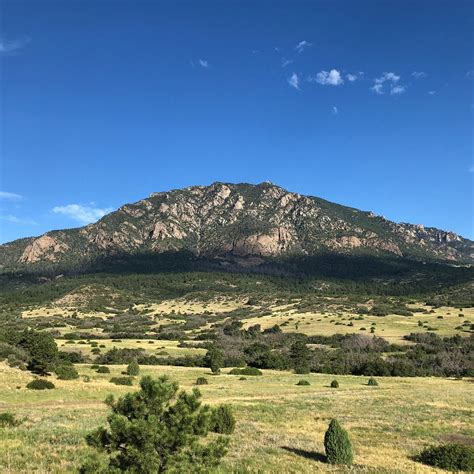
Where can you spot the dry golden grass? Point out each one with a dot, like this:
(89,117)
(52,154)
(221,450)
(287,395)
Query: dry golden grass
(280,425)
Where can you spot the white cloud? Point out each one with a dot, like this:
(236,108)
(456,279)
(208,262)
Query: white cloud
(9,47)
(389,79)
(378,88)
(431,92)
(302,45)
(331,78)
(353,77)
(5,196)
(203,63)
(335,110)
(285,62)
(470,74)
(17,220)
(294,81)
(82,214)
(418,75)
(395,90)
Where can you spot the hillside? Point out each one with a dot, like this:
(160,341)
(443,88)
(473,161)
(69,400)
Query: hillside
(242,223)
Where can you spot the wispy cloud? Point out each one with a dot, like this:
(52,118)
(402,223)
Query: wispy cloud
(82,214)
(388,81)
(18,220)
(285,62)
(5,196)
(471,169)
(203,63)
(431,92)
(335,110)
(8,47)
(470,74)
(418,74)
(325,78)
(302,45)
(354,77)
(395,90)
(294,81)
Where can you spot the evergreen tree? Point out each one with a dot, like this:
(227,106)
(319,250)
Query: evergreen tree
(214,359)
(301,357)
(42,350)
(337,445)
(133,368)
(157,430)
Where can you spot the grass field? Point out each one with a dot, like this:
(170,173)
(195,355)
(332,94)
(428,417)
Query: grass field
(155,346)
(280,425)
(392,327)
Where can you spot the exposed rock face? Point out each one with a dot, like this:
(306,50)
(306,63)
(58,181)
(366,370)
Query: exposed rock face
(239,220)
(43,248)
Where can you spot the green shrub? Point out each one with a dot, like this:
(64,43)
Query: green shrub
(40,384)
(133,368)
(222,420)
(451,456)
(86,378)
(246,371)
(334,384)
(8,419)
(66,372)
(201,381)
(103,369)
(337,445)
(303,382)
(372,382)
(242,378)
(174,421)
(122,380)
(95,366)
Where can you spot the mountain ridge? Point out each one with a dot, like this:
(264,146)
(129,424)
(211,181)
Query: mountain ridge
(241,220)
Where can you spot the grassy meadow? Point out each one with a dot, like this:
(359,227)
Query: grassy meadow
(280,425)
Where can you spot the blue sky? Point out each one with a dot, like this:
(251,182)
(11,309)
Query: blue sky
(365,103)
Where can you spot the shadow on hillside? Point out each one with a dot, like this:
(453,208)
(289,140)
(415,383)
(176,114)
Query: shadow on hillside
(312,455)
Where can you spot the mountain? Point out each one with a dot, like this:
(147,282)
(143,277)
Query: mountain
(246,223)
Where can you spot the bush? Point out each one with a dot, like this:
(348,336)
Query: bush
(222,420)
(242,378)
(337,445)
(334,384)
(66,372)
(303,382)
(8,419)
(122,380)
(451,456)
(40,384)
(201,381)
(133,368)
(246,371)
(174,421)
(102,369)
(372,382)
(86,378)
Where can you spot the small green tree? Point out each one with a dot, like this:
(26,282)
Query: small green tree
(66,372)
(222,420)
(214,359)
(334,384)
(133,368)
(300,357)
(338,445)
(42,350)
(157,430)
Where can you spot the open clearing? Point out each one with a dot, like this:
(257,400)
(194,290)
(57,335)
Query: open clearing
(280,425)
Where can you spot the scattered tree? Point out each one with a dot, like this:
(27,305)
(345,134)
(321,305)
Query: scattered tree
(337,445)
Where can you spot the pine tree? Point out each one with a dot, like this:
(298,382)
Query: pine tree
(338,445)
(214,359)
(157,430)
